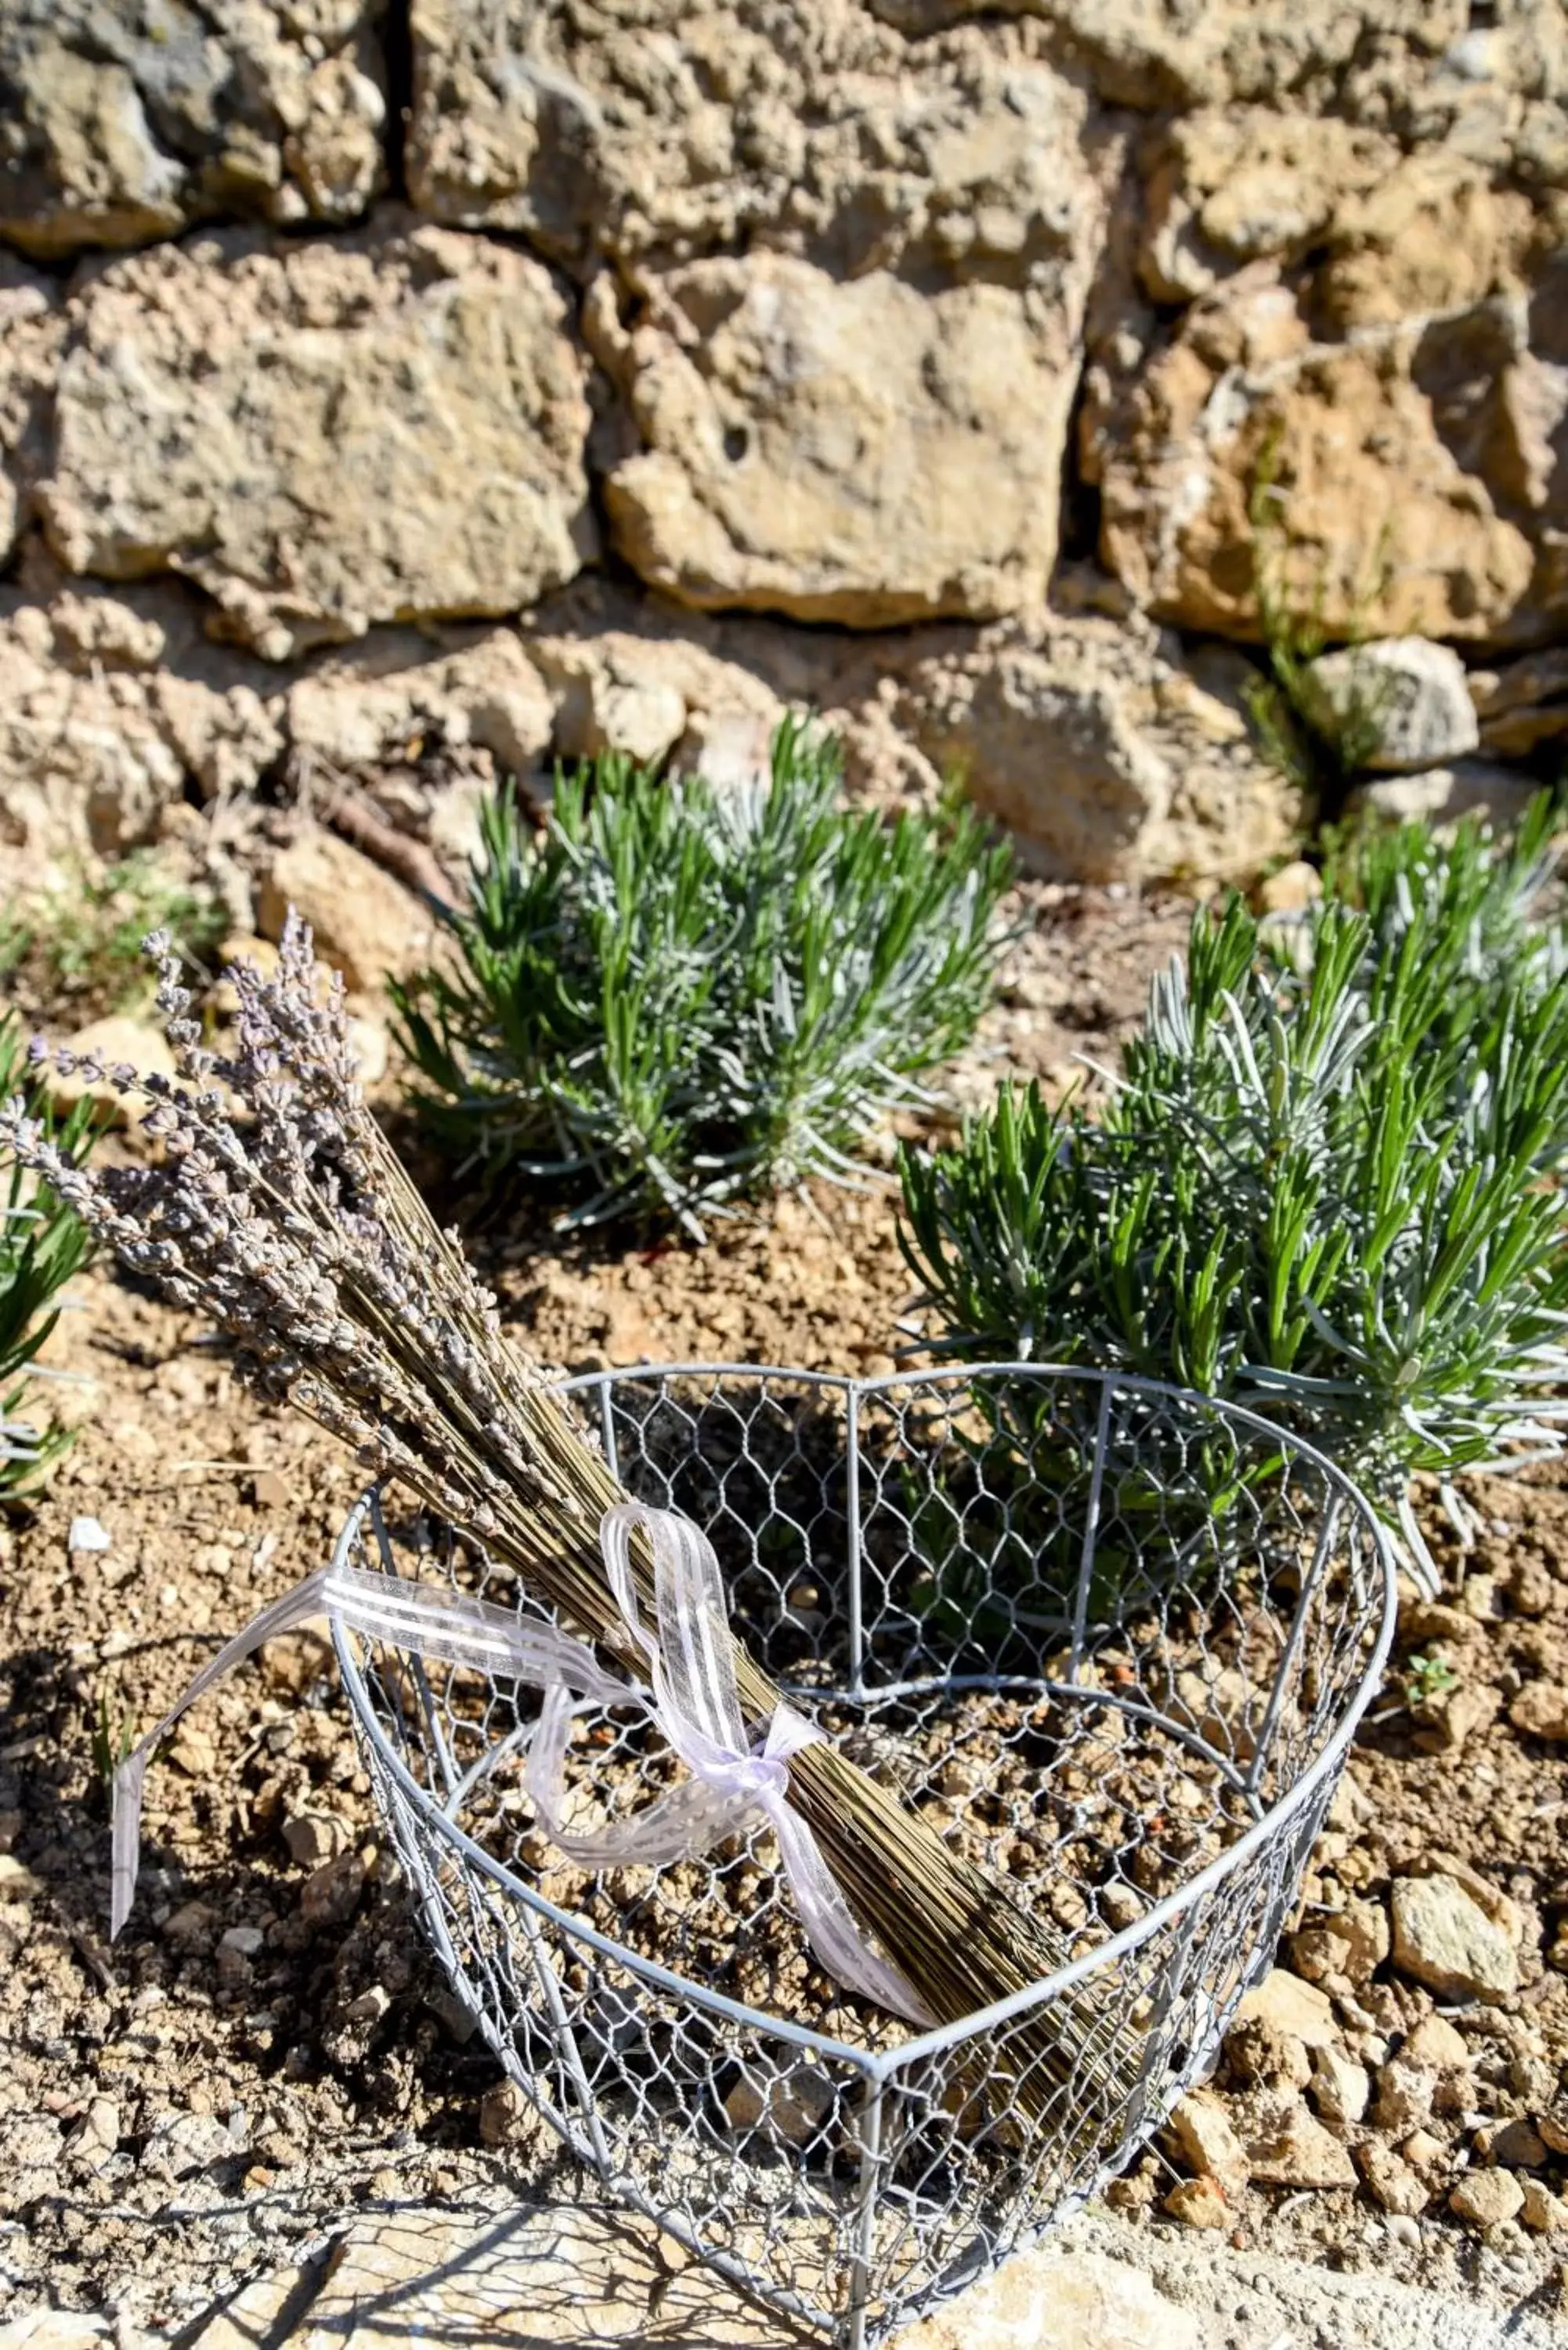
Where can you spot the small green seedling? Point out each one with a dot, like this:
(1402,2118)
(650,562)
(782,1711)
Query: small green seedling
(83,938)
(113,1737)
(1429,1677)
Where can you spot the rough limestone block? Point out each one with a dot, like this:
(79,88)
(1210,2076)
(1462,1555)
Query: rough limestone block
(325,434)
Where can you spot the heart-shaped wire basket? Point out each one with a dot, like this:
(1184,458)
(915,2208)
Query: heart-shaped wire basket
(1113,1639)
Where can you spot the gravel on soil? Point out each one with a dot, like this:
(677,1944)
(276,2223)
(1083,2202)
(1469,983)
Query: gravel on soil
(268,2047)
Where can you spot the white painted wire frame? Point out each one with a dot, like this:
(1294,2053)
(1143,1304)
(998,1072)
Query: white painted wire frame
(1009,1585)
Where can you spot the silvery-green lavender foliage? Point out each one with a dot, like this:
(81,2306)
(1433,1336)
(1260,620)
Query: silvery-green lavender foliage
(1482,892)
(1323,1186)
(680,994)
(42,1244)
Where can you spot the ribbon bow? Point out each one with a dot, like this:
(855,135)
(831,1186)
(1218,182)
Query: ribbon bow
(691,1697)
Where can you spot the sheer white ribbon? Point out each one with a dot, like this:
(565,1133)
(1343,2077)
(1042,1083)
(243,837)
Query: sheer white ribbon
(692,1697)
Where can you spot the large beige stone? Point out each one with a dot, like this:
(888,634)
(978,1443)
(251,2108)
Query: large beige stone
(1081,2299)
(576,2273)
(259,2312)
(654,697)
(1452,1937)
(563,2272)
(1379,60)
(365,925)
(570,2268)
(324,435)
(1385,434)
(31,329)
(677,132)
(125,124)
(1487,2198)
(1300,2153)
(109,710)
(855,452)
(1109,754)
(1292,2006)
(1207,2139)
(65,2329)
(1392,2181)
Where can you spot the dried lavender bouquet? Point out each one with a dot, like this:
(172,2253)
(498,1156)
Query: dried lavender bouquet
(280,1210)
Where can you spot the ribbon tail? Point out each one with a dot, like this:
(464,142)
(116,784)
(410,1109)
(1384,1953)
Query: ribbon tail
(297,1607)
(842,1949)
(543,1780)
(125,1845)
(443,1624)
(453,1627)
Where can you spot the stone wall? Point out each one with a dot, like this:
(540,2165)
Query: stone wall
(511,377)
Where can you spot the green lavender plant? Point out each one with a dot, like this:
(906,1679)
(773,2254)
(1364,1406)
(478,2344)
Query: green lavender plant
(1482,891)
(42,1244)
(681,994)
(1321,1192)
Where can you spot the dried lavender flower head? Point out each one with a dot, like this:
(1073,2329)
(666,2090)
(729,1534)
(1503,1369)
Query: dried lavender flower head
(277,1206)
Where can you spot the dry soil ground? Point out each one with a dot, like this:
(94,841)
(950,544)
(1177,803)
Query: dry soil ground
(268,2047)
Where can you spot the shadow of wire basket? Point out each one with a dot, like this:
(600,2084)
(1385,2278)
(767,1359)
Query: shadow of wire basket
(1111,1637)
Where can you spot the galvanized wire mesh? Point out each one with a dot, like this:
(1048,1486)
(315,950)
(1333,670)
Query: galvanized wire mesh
(1111,1637)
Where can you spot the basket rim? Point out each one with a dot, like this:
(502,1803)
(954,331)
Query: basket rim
(879,2068)
(1090,1374)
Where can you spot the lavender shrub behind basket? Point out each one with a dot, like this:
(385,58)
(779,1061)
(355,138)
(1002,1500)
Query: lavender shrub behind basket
(1325,1186)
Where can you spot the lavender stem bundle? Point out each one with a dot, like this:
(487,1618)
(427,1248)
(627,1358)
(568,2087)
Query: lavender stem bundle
(279,1210)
